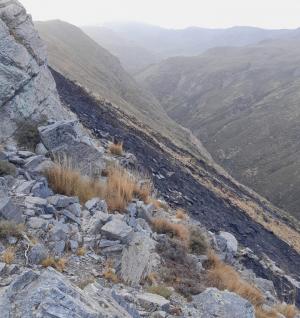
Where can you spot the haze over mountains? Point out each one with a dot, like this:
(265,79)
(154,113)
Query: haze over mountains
(237,89)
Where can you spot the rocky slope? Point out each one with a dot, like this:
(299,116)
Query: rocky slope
(243,105)
(27,89)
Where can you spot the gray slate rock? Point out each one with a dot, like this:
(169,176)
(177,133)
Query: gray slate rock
(37,254)
(9,211)
(213,303)
(61,201)
(117,230)
(153,302)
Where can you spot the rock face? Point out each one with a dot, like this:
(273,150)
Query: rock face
(49,294)
(213,303)
(27,89)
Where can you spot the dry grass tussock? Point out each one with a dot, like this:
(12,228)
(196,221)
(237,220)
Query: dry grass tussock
(181,214)
(9,255)
(116,149)
(118,190)
(223,277)
(58,264)
(178,231)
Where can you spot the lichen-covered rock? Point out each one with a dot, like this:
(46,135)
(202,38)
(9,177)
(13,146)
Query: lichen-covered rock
(49,294)
(27,88)
(213,303)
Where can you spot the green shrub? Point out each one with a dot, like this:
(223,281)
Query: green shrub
(8,228)
(7,168)
(160,290)
(198,242)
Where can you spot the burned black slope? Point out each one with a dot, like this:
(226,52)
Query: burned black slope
(202,203)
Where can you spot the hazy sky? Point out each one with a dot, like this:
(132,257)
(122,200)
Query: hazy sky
(171,13)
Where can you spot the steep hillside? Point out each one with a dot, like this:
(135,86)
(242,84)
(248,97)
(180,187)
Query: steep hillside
(192,40)
(243,103)
(78,57)
(132,57)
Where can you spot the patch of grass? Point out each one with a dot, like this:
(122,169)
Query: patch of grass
(58,264)
(223,276)
(118,190)
(198,242)
(9,228)
(116,148)
(181,214)
(289,311)
(160,290)
(9,255)
(163,226)
(7,168)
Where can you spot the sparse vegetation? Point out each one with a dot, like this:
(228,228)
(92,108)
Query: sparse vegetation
(9,228)
(160,290)
(9,255)
(27,134)
(58,264)
(163,226)
(85,282)
(81,251)
(118,190)
(289,311)
(198,242)
(116,148)
(7,168)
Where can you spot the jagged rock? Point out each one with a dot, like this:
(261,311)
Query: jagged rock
(2,268)
(213,303)
(227,245)
(37,253)
(49,294)
(75,208)
(108,243)
(61,201)
(73,245)
(25,154)
(41,189)
(138,259)
(65,137)
(95,222)
(37,223)
(58,232)
(152,302)
(57,247)
(26,84)
(24,187)
(40,149)
(71,216)
(117,230)
(33,202)
(96,204)
(9,211)
(118,248)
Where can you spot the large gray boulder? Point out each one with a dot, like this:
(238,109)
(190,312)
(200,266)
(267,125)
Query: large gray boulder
(138,259)
(9,211)
(50,295)
(213,303)
(65,138)
(27,88)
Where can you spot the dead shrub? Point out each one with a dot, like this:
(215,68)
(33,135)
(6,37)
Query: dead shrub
(163,226)
(179,270)
(160,290)
(223,277)
(198,242)
(81,251)
(9,228)
(289,311)
(9,255)
(116,148)
(7,168)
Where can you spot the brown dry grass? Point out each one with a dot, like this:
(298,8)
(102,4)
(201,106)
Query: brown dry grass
(179,231)
(9,255)
(118,190)
(181,214)
(81,251)
(223,277)
(116,149)
(59,264)
(289,311)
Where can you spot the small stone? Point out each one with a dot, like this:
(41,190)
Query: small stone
(25,154)
(96,204)
(57,247)
(12,240)
(71,216)
(2,268)
(59,232)
(61,201)
(118,248)
(73,245)
(37,223)
(9,211)
(75,208)
(40,149)
(37,254)
(108,243)
(33,162)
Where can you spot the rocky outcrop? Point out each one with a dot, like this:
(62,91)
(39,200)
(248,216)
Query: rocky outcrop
(27,89)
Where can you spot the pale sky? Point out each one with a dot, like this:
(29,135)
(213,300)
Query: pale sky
(171,13)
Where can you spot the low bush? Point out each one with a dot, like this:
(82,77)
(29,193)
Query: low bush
(163,226)
(116,149)
(198,242)
(7,168)
(179,270)
(58,264)
(9,228)
(160,290)
(181,214)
